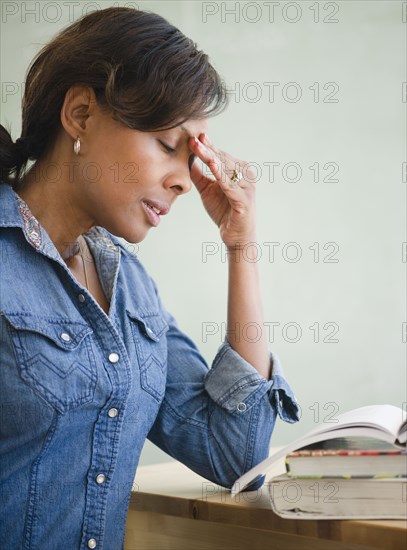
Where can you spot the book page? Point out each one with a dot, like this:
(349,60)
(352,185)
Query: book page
(378,421)
(387,417)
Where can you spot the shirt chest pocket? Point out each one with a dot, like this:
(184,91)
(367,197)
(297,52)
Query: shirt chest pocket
(150,340)
(55,357)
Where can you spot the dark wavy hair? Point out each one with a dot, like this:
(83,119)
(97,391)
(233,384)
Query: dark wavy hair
(143,70)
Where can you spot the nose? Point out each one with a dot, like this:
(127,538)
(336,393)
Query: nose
(179,181)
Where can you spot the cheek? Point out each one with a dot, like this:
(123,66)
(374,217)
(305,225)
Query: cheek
(127,166)
(149,171)
(117,169)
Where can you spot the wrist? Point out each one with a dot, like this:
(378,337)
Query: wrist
(247,249)
(242,243)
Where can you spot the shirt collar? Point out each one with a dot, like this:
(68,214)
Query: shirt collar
(31,226)
(9,213)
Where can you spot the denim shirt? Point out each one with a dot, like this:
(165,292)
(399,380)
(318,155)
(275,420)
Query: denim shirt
(80,391)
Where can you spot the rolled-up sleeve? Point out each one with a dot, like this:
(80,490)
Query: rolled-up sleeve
(236,386)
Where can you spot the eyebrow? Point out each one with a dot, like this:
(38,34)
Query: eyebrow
(185,131)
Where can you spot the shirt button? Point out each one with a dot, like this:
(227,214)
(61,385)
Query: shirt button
(113,357)
(65,337)
(112,412)
(100,478)
(241,407)
(81,298)
(91,543)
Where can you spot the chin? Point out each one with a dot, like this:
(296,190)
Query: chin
(129,234)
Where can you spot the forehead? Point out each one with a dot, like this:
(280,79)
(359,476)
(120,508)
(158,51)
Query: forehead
(194,127)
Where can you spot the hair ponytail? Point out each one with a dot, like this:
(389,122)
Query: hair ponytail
(13,156)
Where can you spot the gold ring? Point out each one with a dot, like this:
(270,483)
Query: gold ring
(236,176)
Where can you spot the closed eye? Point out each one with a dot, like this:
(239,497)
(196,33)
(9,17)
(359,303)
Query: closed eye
(171,150)
(167,147)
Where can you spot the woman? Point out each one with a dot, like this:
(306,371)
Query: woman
(114,115)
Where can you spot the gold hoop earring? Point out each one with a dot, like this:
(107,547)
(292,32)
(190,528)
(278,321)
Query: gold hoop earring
(77,146)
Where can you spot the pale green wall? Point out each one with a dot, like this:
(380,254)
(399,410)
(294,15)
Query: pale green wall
(363,132)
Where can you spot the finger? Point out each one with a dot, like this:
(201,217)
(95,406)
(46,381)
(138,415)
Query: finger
(199,179)
(206,141)
(217,167)
(226,157)
(230,161)
(207,156)
(232,164)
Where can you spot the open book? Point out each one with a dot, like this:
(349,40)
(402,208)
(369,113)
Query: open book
(384,422)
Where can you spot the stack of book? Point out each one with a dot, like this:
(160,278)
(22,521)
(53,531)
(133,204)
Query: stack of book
(354,468)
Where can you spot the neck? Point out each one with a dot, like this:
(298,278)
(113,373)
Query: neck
(57,211)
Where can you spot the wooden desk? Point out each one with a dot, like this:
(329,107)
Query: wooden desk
(173,508)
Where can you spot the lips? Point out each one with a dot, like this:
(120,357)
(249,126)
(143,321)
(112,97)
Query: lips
(159,207)
(155,209)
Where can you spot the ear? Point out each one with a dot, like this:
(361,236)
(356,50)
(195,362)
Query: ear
(79,103)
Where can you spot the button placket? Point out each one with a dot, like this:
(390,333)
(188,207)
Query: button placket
(105,439)
(107,427)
